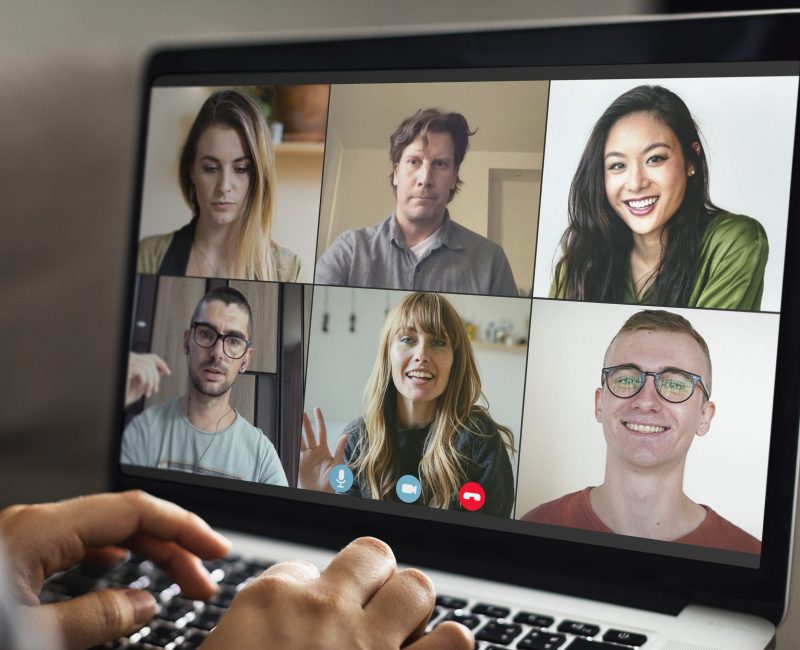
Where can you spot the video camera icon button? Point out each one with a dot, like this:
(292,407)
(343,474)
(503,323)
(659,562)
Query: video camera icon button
(408,488)
(471,496)
(340,478)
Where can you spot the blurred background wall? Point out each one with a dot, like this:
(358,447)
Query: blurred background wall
(69,95)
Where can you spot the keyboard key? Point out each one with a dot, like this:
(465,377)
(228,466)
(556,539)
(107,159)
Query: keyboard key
(193,639)
(124,574)
(580,629)
(586,644)
(258,566)
(72,584)
(175,610)
(224,596)
(236,574)
(499,632)
(94,570)
(536,620)
(626,638)
(451,603)
(208,618)
(161,635)
(491,610)
(212,565)
(468,620)
(541,640)
(159,581)
(47,597)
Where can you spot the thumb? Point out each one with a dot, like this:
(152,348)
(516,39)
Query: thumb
(100,616)
(338,454)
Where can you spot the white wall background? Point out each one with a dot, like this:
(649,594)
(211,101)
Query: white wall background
(563,449)
(340,361)
(296,211)
(511,193)
(747,125)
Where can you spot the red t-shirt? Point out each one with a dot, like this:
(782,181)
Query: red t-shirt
(575,511)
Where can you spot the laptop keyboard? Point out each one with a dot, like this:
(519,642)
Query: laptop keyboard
(182,624)
(499,628)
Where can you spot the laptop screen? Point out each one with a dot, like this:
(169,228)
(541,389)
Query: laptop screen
(543,301)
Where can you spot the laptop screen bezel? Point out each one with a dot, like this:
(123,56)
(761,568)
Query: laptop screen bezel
(640,579)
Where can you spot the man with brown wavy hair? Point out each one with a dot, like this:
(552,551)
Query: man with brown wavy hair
(418,247)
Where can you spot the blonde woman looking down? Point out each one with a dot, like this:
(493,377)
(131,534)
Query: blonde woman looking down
(227,178)
(421,417)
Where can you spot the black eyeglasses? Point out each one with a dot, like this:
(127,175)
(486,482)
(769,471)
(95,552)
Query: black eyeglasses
(206,336)
(673,384)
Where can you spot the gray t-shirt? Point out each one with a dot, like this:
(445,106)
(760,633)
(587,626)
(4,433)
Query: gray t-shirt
(162,437)
(458,261)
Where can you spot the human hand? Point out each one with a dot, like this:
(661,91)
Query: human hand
(315,458)
(46,538)
(360,601)
(144,376)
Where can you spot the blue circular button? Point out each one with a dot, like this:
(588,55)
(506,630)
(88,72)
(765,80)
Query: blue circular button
(341,478)
(408,488)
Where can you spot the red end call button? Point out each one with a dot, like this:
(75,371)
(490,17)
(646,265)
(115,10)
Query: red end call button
(472,496)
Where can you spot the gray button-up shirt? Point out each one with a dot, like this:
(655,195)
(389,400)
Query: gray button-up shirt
(459,261)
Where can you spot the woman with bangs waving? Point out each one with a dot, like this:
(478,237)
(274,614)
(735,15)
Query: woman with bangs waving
(642,228)
(421,418)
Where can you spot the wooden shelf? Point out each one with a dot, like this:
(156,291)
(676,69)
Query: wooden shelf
(300,149)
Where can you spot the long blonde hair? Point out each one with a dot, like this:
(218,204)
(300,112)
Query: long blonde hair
(441,469)
(253,257)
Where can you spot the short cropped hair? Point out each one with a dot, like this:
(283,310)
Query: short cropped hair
(431,120)
(227,296)
(659,320)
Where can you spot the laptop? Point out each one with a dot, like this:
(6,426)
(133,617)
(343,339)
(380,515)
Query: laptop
(531,99)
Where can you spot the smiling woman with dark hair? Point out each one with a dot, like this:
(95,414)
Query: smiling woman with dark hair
(642,227)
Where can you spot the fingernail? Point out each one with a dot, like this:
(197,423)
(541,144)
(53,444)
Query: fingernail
(144,605)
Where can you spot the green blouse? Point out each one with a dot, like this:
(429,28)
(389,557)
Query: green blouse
(730,275)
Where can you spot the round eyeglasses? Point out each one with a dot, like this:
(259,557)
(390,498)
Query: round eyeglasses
(672,384)
(233,345)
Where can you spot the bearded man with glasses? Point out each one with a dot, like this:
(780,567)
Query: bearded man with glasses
(654,398)
(200,431)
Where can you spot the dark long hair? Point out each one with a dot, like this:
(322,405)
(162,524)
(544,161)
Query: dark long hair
(596,245)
